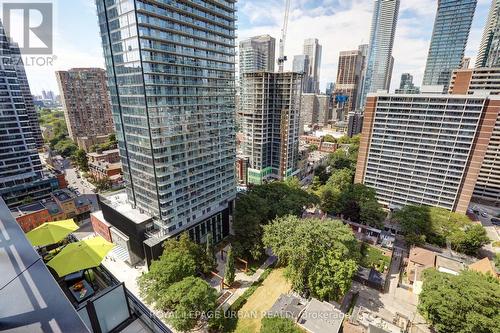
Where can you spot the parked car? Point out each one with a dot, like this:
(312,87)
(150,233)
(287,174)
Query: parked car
(484,214)
(495,221)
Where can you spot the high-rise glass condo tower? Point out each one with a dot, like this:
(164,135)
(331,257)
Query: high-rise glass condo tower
(21,173)
(301,65)
(171,75)
(257,54)
(406,85)
(449,39)
(489,50)
(312,49)
(26,92)
(380,61)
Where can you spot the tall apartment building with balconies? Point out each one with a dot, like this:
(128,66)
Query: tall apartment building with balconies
(349,76)
(171,75)
(483,80)
(257,54)
(489,49)
(22,177)
(270,110)
(425,149)
(87,107)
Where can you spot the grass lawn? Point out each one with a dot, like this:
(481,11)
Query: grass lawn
(260,301)
(373,257)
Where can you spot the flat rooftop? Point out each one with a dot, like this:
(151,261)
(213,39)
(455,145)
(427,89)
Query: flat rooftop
(62,195)
(119,202)
(27,209)
(30,298)
(321,317)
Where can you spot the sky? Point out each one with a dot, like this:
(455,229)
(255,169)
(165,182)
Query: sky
(338,24)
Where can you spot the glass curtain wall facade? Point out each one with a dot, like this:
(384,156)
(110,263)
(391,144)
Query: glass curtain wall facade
(313,50)
(171,72)
(380,61)
(489,50)
(449,38)
(21,172)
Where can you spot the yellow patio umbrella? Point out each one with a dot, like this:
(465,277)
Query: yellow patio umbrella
(51,232)
(80,255)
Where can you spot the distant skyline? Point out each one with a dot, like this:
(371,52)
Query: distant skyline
(338,24)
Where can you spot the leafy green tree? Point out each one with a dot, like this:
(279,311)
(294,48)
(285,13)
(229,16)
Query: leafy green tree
(259,206)
(496,260)
(188,301)
(329,138)
(82,160)
(172,266)
(437,225)
(196,251)
(292,182)
(229,271)
(330,199)
(344,140)
(371,213)
(466,303)
(313,147)
(250,214)
(469,239)
(341,179)
(359,204)
(103,184)
(340,160)
(321,256)
(331,277)
(210,251)
(278,324)
(321,173)
(65,147)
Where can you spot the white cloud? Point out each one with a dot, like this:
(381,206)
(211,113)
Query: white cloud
(344,24)
(338,24)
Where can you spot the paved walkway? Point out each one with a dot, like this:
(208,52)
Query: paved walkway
(241,277)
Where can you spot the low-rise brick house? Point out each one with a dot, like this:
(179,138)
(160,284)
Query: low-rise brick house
(62,205)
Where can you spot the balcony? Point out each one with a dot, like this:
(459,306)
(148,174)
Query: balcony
(33,300)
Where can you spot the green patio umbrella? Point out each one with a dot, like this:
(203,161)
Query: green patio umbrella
(51,232)
(80,255)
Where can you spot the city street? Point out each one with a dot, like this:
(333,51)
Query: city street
(491,230)
(79,184)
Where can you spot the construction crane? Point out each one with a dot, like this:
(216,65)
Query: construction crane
(282,56)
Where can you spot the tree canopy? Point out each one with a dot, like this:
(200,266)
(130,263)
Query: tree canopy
(321,256)
(188,300)
(465,303)
(355,202)
(437,225)
(262,204)
(82,160)
(171,287)
(229,271)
